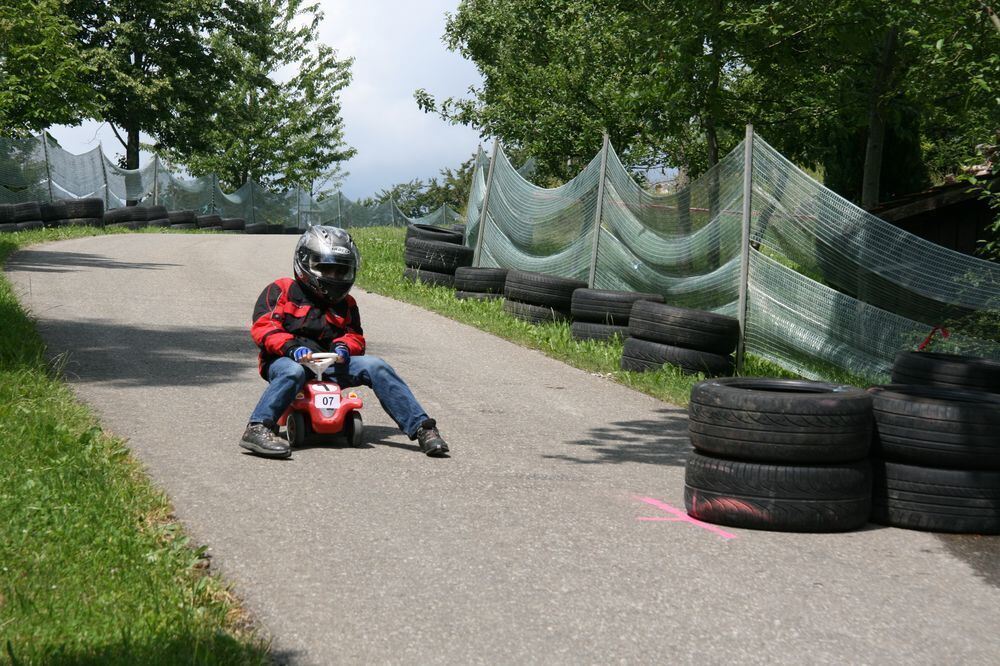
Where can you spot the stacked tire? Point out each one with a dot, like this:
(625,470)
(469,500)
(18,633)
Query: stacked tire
(209,222)
(937,444)
(127,217)
(539,298)
(234,224)
(20,217)
(779,454)
(157,216)
(693,340)
(479,284)
(182,219)
(433,255)
(601,314)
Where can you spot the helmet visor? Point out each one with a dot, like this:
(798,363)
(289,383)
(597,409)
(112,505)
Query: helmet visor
(332,271)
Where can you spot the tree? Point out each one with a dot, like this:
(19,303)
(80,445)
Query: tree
(42,71)
(836,83)
(156,70)
(418,199)
(280,133)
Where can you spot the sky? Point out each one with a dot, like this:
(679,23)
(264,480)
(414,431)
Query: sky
(397,48)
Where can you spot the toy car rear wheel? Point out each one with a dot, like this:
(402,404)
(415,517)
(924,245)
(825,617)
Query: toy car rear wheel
(354,429)
(298,429)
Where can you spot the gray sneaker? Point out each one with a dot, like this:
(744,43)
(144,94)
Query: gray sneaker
(430,439)
(265,442)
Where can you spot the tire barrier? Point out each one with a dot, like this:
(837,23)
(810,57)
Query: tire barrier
(255,228)
(182,217)
(437,257)
(779,454)
(53,213)
(693,340)
(204,221)
(946,370)
(125,217)
(429,277)
(486,281)
(234,224)
(430,232)
(157,216)
(937,458)
(539,298)
(602,314)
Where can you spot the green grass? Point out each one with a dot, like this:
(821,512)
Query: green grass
(382,273)
(93,570)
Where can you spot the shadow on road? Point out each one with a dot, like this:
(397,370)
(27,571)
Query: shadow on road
(374,434)
(981,553)
(139,356)
(658,441)
(47,261)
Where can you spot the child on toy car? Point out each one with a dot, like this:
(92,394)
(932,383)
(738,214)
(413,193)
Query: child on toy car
(313,312)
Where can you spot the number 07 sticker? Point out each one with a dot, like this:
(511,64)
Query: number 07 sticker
(327,400)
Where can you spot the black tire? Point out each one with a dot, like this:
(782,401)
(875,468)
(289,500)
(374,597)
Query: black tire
(7,227)
(298,429)
(784,498)
(157,213)
(934,426)
(780,420)
(83,222)
(204,221)
(432,233)
(6,213)
(536,314)
(212,229)
(90,207)
(182,217)
(184,225)
(118,216)
(234,223)
(484,280)
(458,228)
(476,296)
(28,226)
(603,306)
(291,230)
(684,327)
(436,256)
(159,224)
(541,289)
(29,211)
(429,277)
(255,228)
(644,355)
(354,430)
(53,213)
(937,500)
(947,370)
(585,330)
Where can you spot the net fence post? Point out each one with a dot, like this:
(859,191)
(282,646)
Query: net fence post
(253,206)
(592,276)
(215,186)
(104,172)
(477,256)
(156,180)
(298,206)
(340,215)
(48,168)
(745,246)
(392,210)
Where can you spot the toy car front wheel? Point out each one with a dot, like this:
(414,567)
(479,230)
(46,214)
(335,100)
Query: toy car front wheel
(297,429)
(354,429)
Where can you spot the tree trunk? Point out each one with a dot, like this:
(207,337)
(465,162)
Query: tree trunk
(132,149)
(876,123)
(712,94)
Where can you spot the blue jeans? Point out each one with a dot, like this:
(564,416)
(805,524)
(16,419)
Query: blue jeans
(286,377)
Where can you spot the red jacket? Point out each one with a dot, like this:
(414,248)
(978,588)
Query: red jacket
(285,317)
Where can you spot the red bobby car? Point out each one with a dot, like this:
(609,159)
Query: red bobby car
(321,411)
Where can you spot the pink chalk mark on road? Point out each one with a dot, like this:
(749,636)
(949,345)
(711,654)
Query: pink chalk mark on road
(678,516)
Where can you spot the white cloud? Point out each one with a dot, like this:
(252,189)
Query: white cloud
(397,47)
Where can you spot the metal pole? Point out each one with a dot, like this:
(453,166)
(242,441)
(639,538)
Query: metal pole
(298,207)
(48,169)
(104,170)
(156,180)
(215,186)
(605,143)
(486,202)
(253,208)
(340,216)
(392,210)
(745,245)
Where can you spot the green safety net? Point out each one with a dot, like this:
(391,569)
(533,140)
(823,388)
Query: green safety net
(830,287)
(38,169)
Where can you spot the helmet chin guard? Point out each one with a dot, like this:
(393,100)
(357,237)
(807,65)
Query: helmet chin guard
(326,262)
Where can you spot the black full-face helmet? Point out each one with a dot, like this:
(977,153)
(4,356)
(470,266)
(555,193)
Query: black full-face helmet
(326,262)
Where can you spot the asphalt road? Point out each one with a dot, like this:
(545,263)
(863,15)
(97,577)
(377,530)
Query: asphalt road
(550,536)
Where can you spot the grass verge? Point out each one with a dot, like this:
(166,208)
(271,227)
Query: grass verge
(93,570)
